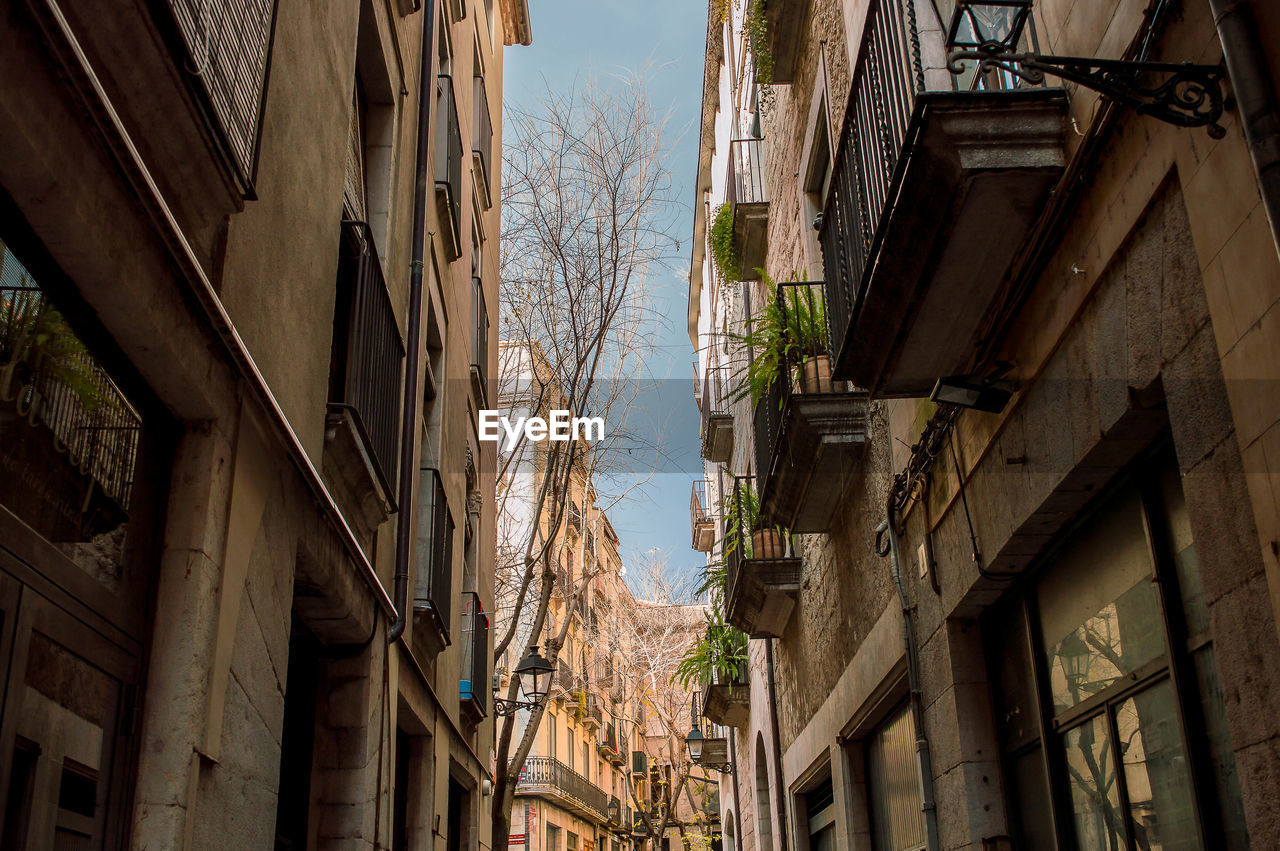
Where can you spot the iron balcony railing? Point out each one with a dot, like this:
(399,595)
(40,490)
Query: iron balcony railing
(448,171)
(746,180)
(715,402)
(881,100)
(804,352)
(542,774)
(433,588)
(93,423)
(226,47)
(480,337)
(701,515)
(473,679)
(482,135)
(368,351)
(742,518)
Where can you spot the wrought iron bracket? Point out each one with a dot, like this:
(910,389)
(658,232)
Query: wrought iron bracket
(1187,95)
(722,767)
(503,708)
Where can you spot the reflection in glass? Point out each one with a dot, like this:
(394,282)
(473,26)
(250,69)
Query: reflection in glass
(68,436)
(1095,799)
(1099,610)
(1155,771)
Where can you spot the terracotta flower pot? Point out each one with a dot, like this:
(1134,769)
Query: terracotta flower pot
(766,543)
(814,374)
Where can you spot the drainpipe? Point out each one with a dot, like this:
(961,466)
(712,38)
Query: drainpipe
(781,803)
(411,396)
(925,764)
(1255,96)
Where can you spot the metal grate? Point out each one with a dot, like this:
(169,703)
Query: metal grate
(369,351)
(433,589)
(228,43)
(746,180)
(448,173)
(473,678)
(482,134)
(540,772)
(480,336)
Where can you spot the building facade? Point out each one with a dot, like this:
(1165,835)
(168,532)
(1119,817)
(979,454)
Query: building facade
(245,524)
(1039,609)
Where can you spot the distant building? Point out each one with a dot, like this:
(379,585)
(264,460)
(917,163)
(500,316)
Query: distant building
(1085,653)
(217,499)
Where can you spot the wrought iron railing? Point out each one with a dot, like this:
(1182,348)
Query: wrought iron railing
(881,99)
(227,48)
(746,179)
(799,317)
(473,678)
(368,351)
(541,773)
(700,513)
(482,133)
(433,589)
(92,421)
(480,336)
(715,395)
(448,172)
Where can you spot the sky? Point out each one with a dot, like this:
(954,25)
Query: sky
(572,41)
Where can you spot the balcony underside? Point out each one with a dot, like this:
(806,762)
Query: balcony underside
(751,236)
(818,454)
(717,443)
(975,180)
(563,800)
(783,20)
(727,705)
(704,535)
(764,594)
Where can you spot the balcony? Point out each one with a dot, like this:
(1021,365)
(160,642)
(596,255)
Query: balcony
(607,745)
(932,194)
(482,143)
(639,762)
(784,22)
(473,680)
(479,343)
(448,170)
(747,195)
(717,422)
(433,582)
(701,519)
(762,576)
(728,704)
(552,779)
(361,440)
(810,431)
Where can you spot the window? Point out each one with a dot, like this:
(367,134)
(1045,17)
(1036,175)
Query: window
(1113,639)
(820,811)
(893,784)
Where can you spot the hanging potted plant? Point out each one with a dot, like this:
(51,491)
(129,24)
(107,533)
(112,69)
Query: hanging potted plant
(806,313)
(742,508)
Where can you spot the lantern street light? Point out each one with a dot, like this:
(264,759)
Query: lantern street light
(696,743)
(988,32)
(614,811)
(534,672)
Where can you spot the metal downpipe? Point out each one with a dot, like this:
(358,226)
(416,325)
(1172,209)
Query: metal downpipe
(413,361)
(925,764)
(1255,97)
(781,798)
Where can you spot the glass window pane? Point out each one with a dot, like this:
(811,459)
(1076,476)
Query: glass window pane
(1031,790)
(1155,770)
(1099,610)
(1185,563)
(68,436)
(1011,655)
(1095,799)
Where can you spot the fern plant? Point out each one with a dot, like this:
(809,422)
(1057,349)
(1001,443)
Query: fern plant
(719,654)
(35,341)
(724,251)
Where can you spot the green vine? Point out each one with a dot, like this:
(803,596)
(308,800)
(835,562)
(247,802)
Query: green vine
(757,29)
(724,251)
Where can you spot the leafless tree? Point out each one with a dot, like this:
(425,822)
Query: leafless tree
(588,220)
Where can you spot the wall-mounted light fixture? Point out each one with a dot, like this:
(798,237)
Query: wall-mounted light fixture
(971,391)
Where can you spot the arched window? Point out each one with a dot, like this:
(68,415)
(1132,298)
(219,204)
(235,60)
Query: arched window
(764,813)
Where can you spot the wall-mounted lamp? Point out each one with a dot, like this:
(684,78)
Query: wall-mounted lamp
(971,391)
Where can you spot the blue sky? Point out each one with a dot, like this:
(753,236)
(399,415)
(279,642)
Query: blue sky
(574,40)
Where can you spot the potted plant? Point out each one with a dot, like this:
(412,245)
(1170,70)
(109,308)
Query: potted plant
(811,343)
(719,656)
(742,508)
(724,251)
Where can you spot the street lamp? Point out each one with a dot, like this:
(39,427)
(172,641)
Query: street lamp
(696,743)
(988,32)
(534,672)
(1076,657)
(614,812)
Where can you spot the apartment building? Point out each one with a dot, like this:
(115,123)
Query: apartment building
(245,523)
(988,438)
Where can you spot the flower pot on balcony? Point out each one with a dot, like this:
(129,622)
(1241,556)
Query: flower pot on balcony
(766,543)
(813,375)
